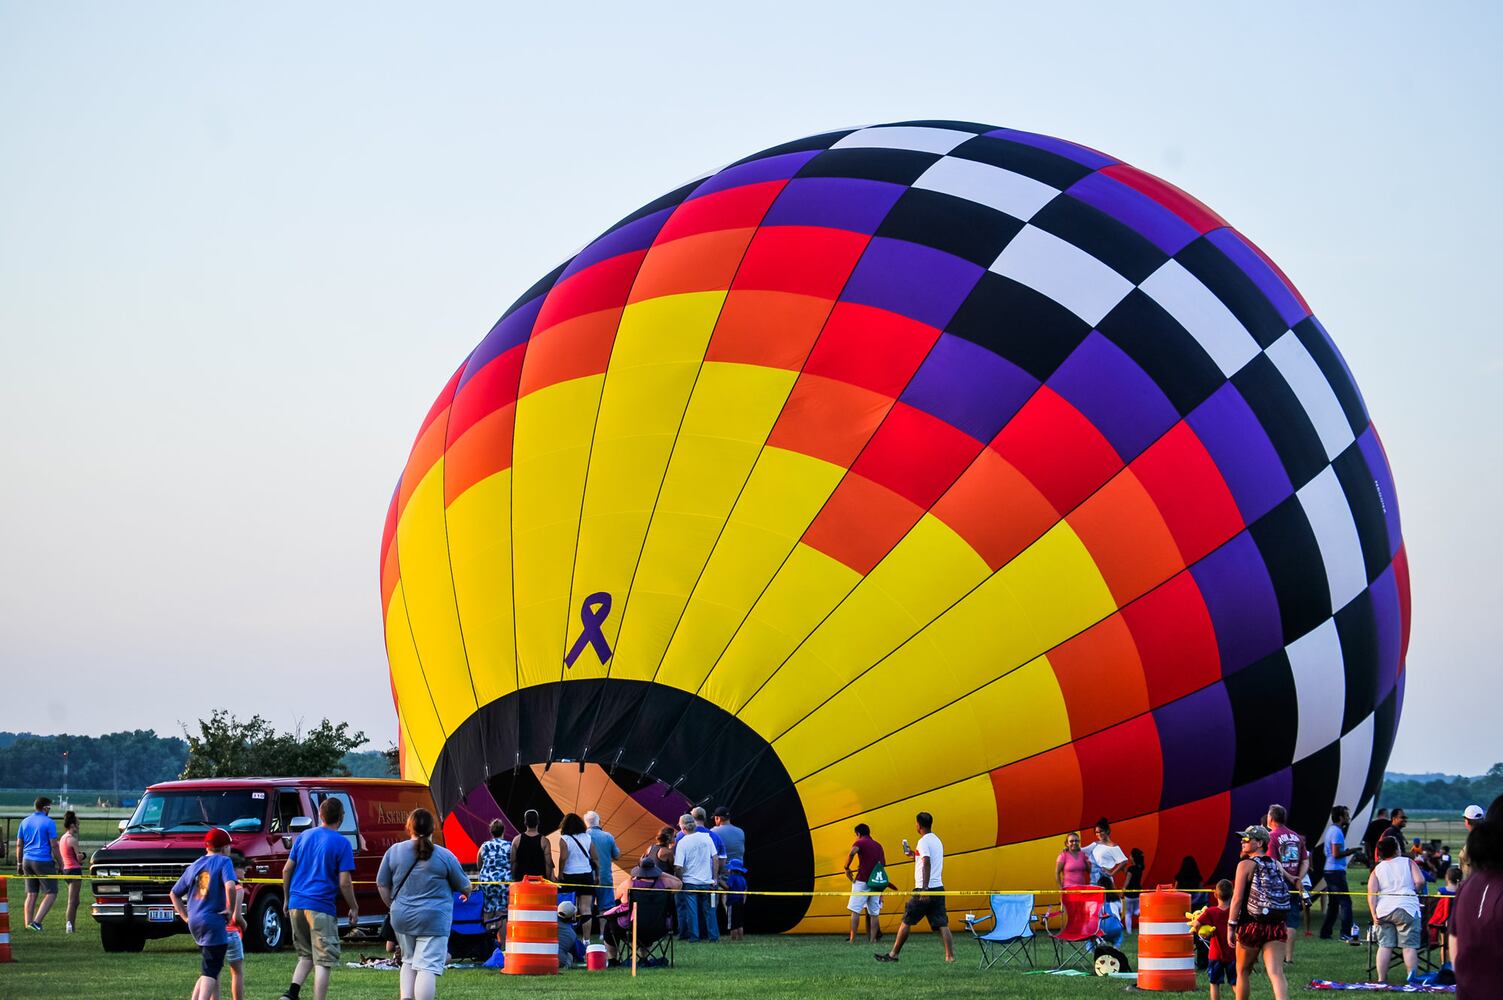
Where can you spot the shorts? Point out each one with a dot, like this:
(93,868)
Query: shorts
(425,954)
(584,880)
(871,904)
(1254,934)
(605,898)
(1222,972)
(735,916)
(1132,904)
(933,907)
(211,960)
(72,871)
(1398,929)
(31,869)
(236,949)
(315,935)
(1296,911)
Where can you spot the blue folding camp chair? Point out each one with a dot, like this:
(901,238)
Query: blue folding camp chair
(1011,935)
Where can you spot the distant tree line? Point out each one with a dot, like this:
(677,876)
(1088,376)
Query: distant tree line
(1442,794)
(221,746)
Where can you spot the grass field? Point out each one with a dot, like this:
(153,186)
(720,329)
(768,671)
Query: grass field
(767,968)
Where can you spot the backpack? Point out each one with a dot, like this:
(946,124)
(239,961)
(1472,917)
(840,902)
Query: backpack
(1267,892)
(878,879)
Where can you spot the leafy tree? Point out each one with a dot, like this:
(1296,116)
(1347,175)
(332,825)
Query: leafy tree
(369,764)
(226,747)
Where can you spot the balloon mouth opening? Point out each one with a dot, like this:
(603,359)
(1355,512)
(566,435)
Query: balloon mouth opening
(640,755)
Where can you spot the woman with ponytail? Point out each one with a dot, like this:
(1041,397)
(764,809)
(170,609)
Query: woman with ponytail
(417,881)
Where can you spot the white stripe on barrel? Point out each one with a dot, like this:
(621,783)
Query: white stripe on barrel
(1174,927)
(1165,964)
(533,916)
(531,948)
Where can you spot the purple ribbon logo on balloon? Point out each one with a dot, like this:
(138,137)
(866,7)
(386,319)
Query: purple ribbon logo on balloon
(592,614)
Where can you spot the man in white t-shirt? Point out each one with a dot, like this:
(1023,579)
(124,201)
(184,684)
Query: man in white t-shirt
(928,898)
(694,860)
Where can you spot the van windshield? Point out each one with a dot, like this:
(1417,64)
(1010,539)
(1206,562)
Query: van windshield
(237,810)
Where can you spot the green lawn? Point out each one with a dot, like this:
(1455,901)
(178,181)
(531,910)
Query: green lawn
(767,968)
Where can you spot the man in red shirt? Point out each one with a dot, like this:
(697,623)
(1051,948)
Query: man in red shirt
(1223,967)
(1288,849)
(867,854)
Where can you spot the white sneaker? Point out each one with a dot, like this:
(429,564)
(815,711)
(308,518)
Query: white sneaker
(70,927)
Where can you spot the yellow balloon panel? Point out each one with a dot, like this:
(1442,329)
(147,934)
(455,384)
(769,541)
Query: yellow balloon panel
(652,371)
(428,587)
(479,523)
(425,733)
(965,817)
(552,449)
(728,418)
(926,572)
(1008,719)
(781,497)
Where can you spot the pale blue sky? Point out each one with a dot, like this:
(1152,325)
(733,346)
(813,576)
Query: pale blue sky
(243,246)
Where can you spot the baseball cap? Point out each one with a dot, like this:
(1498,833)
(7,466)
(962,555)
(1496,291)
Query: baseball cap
(1255,833)
(217,838)
(567,909)
(1473,813)
(723,811)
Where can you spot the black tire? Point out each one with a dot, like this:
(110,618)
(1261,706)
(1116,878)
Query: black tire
(1109,960)
(266,927)
(117,938)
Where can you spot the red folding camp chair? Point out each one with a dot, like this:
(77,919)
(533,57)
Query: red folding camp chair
(1077,936)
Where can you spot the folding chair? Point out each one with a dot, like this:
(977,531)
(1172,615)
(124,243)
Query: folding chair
(654,932)
(1011,934)
(1437,936)
(1076,938)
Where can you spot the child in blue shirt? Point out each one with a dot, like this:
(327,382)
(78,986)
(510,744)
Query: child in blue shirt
(204,898)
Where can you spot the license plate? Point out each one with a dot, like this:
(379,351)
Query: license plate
(106,890)
(161,915)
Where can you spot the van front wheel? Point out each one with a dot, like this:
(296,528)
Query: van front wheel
(265,927)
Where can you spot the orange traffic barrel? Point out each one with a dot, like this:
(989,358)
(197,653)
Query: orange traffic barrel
(1166,949)
(532,928)
(4,922)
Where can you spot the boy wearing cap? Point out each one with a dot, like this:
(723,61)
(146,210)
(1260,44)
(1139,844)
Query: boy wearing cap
(568,937)
(204,898)
(1472,817)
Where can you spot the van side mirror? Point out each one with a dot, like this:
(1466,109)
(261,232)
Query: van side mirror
(123,824)
(299,824)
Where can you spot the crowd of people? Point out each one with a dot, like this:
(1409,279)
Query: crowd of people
(696,876)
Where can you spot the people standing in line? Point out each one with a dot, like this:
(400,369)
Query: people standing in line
(1288,848)
(1338,903)
(1394,831)
(204,898)
(529,851)
(417,881)
(495,869)
(1260,905)
(36,840)
(1375,828)
(74,862)
(320,865)
(1107,859)
(928,900)
(1223,957)
(578,866)
(695,861)
(606,853)
(1133,889)
(1477,911)
(1393,891)
(1072,869)
(867,854)
(661,849)
(732,837)
(1471,818)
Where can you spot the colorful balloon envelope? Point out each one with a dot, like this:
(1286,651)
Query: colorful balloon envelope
(928,466)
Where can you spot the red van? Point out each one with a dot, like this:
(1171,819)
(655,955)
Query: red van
(262,815)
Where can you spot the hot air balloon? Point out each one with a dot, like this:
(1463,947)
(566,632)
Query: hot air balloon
(926,466)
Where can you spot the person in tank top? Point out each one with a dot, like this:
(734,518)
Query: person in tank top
(529,855)
(73,863)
